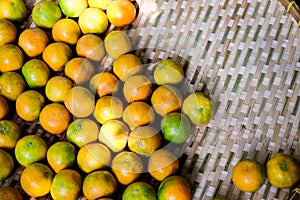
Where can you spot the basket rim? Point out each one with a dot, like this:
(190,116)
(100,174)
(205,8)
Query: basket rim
(293,8)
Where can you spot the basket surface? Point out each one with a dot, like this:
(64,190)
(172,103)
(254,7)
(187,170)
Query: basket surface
(245,55)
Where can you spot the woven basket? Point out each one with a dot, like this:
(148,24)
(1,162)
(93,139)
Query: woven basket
(245,55)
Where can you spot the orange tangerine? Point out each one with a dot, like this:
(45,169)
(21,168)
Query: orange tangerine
(56,55)
(66,30)
(36,179)
(80,101)
(138,114)
(79,70)
(33,41)
(55,118)
(107,108)
(57,88)
(29,105)
(137,88)
(127,65)
(8,32)
(104,83)
(121,12)
(11,58)
(90,46)
(162,163)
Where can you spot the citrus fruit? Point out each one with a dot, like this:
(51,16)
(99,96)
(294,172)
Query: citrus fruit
(11,85)
(176,127)
(198,107)
(248,175)
(45,14)
(121,12)
(137,88)
(166,99)
(55,118)
(4,107)
(79,70)
(61,155)
(56,55)
(114,134)
(72,8)
(138,114)
(57,88)
(162,163)
(127,65)
(127,167)
(283,171)
(144,140)
(168,72)
(10,132)
(66,184)
(9,193)
(29,105)
(102,4)
(139,191)
(8,32)
(104,83)
(99,184)
(108,107)
(36,179)
(93,20)
(80,101)
(36,73)
(11,58)
(90,46)
(117,43)
(174,187)
(93,156)
(66,30)
(7,165)
(13,10)
(33,41)
(30,149)
(82,131)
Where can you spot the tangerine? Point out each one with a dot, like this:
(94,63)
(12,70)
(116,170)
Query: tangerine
(30,149)
(127,65)
(121,12)
(80,101)
(36,179)
(10,132)
(90,46)
(55,118)
(98,184)
(107,108)
(248,175)
(33,41)
(11,85)
(66,30)
(104,83)
(29,105)
(79,69)
(11,58)
(8,32)
(56,55)
(163,163)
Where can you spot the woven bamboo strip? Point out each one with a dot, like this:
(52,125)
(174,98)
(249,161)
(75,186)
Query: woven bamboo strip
(251,80)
